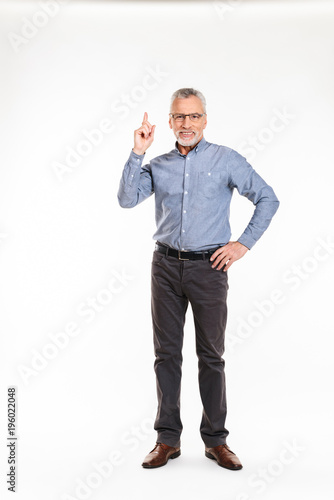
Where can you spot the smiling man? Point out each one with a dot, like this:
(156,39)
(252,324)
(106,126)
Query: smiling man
(193,186)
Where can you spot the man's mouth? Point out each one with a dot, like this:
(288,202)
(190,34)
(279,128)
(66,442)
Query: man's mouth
(186,135)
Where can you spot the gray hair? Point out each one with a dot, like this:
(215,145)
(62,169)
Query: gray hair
(187,92)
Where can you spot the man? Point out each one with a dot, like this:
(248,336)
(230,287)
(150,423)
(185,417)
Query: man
(193,186)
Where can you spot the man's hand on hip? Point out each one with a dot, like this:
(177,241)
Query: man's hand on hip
(228,254)
(144,136)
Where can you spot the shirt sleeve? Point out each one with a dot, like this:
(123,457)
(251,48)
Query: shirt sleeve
(136,182)
(252,186)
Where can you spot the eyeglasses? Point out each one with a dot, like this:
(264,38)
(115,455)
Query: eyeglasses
(194,117)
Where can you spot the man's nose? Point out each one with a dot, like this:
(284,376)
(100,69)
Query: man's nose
(186,122)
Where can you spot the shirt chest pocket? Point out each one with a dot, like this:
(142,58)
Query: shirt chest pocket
(210,184)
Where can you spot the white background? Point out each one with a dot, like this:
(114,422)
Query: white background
(64,239)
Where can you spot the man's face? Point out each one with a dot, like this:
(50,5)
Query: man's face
(188,133)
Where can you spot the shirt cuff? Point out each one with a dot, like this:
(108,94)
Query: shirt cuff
(135,159)
(247,241)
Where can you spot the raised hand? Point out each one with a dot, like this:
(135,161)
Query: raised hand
(143,136)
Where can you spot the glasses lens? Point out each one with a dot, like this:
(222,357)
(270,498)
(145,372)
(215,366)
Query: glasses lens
(193,117)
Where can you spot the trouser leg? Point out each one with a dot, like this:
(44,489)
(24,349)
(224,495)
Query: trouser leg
(169,307)
(206,289)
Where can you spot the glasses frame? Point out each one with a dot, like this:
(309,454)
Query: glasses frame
(173,114)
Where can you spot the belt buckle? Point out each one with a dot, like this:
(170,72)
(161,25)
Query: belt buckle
(180,258)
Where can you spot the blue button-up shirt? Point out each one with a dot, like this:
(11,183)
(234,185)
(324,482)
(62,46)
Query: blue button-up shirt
(193,194)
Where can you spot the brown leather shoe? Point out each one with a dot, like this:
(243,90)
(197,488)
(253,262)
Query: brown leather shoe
(224,457)
(160,455)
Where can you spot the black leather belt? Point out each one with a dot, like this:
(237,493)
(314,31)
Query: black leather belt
(171,252)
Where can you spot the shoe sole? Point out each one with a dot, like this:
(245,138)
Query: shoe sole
(207,454)
(174,455)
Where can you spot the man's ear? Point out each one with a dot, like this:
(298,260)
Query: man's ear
(170,123)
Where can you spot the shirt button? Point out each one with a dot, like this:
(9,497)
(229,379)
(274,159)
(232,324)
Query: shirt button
(184,211)
(183,231)
(188,158)
(186,192)
(187,175)
(182,249)
(209,173)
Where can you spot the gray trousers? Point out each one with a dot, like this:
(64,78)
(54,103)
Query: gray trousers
(175,283)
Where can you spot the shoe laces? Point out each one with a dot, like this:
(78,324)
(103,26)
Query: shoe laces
(224,446)
(161,445)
